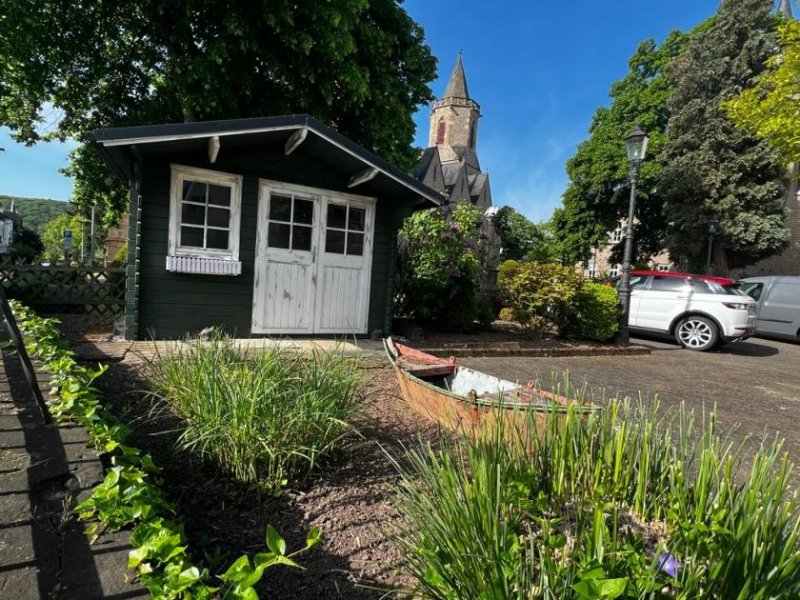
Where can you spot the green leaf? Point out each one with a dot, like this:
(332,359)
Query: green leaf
(275,542)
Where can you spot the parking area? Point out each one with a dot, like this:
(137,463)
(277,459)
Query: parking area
(755,384)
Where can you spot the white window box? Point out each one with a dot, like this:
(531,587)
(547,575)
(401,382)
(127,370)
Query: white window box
(203,266)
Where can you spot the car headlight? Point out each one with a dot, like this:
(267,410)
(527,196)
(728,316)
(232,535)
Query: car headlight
(736,305)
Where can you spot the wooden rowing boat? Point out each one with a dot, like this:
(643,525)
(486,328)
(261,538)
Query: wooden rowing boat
(465,400)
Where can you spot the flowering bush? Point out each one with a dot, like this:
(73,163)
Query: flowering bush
(439,266)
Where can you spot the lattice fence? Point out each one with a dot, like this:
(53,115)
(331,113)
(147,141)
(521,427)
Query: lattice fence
(63,289)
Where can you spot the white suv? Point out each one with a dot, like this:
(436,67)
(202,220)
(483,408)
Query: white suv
(699,311)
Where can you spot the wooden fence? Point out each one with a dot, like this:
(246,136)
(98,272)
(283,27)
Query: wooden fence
(65,289)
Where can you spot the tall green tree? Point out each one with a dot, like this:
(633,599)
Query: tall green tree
(768,109)
(713,169)
(519,236)
(66,68)
(597,196)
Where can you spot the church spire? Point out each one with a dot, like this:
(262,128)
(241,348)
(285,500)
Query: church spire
(457,86)
(786,9)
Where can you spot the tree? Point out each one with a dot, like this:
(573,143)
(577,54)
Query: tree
(53,236)
(518,235)
(362,66)
(714,170)
(768,109)
(597,196)
(27,246)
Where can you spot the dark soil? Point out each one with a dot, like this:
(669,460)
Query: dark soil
(349,498)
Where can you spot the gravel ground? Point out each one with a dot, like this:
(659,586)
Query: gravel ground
(350,498)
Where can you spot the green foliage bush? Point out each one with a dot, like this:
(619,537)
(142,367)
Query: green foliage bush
(439,267)
(594,314)
(261,418)
(506,269)
(619,504)
(540,295)
(129,495)
(507,314)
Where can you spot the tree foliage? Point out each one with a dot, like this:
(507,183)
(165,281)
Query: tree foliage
(519,236)
(597,196)
(36,212)
(53,236)
(361,66)
(713,169)
(769,109)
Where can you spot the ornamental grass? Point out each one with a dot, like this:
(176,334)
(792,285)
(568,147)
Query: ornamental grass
(263,417)
(619,504)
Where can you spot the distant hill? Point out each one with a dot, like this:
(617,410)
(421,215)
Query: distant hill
(36,212)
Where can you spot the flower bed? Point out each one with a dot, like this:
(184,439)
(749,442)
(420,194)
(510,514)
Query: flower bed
(129,495)
(621,504)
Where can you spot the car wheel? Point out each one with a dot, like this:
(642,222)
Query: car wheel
(697,333)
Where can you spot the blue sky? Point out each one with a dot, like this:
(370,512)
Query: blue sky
(538,69)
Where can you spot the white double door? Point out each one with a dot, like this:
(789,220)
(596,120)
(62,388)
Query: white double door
(313,261)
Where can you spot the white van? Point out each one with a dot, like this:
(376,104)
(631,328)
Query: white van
(778,299)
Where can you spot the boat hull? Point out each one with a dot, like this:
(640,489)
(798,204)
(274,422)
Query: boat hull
(528,412)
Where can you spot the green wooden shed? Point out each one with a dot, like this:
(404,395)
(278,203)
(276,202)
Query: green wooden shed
(267,226)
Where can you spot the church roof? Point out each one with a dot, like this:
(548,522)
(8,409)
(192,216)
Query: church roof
(786,9)
(457,86)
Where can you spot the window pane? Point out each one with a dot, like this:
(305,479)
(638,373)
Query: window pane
(194,191)
(334,242)
(192,214)
(219,194)
(280,209)
(303,211)
(357,218)
(668,284)
(192,236)
(355,244)
(219,217)
(278,235)
(337,216)
(301,238)
(217,239)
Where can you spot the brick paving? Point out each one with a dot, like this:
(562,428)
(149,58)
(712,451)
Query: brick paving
(755,384)
(45,470)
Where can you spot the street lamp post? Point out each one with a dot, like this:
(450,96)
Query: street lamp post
(635,146)
(713,227)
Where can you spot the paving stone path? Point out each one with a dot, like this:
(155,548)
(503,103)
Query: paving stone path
(45,470)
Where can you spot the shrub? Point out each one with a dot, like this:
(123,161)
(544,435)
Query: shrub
(507,269)
(262,418)
(540,295)
(620,504)
(595,313)
(439,266)
(507,314)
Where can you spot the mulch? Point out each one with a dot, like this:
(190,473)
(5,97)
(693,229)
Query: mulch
(350,497)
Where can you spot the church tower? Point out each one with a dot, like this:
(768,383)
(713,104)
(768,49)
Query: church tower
(454,118)
(450,163)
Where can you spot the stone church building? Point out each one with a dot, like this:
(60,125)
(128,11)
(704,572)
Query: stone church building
(450,163)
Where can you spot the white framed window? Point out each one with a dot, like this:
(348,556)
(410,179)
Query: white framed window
(204,220)
(614,271)
(616,235)
(661,268)
(344,232)
(591,272)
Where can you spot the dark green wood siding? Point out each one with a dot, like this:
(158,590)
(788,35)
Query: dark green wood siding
(172,305)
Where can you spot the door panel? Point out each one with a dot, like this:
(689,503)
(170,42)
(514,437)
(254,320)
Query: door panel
(285,288)
(342,309)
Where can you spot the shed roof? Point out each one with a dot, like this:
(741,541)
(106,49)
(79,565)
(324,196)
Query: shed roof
(120,146)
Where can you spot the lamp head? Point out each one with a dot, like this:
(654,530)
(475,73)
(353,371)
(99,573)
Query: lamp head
(636,145)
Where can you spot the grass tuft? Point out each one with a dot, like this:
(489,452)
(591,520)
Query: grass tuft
(264,417)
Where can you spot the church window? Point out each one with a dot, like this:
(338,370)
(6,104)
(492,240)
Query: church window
(440,132)
(473,133)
